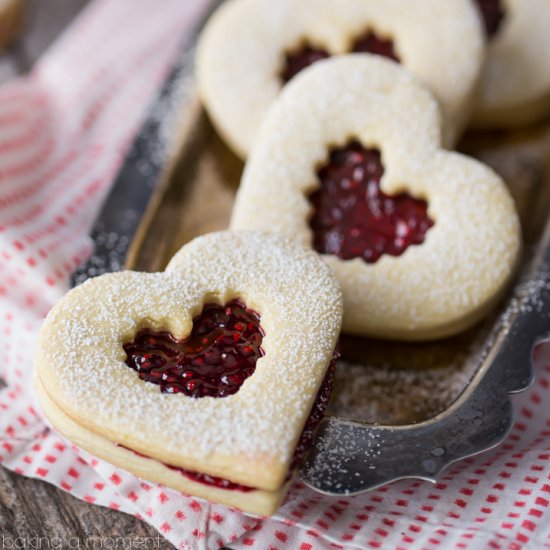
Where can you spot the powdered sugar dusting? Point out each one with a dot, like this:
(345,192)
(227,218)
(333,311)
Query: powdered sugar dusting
(399,383)
(336,451)
(168,112)
(433,290)
(395,396)
(421,383)
(242,50)
(81,360)
(528,296)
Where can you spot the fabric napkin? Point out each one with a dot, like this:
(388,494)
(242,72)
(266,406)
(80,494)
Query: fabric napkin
(64,131)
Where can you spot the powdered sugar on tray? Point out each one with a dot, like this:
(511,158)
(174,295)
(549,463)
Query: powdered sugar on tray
(395,383)
(167,113)
(385,393)
(337,450)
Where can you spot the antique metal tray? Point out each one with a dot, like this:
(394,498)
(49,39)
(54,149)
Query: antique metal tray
(398,409)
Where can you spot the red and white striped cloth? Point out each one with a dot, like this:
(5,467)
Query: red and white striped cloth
(64,131)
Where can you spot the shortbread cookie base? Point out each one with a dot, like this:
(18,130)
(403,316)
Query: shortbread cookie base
(249,437)
(241,53)
(263,503)
(512,115)
(432,290)
(11,16)
(515,85)
(415,332)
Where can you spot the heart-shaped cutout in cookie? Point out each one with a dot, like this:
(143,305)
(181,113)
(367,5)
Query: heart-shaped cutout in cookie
(221,294)
(214,360)
(423,241)
(306,55)
(353,218)
(250,49)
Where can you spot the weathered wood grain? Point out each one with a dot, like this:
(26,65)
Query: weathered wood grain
(31,509)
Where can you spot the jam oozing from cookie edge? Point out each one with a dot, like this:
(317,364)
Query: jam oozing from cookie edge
(369,42)
(492,12)
(352,216)
(315,416)
(205,479)
(212,481)
(218,356)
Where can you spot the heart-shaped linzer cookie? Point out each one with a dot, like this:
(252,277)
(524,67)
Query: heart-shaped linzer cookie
(349,162)
(202,377)
(251,48)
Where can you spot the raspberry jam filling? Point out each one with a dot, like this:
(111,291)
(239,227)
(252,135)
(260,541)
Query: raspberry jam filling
(493,14)
(370,42)
(300,59)
(212,481)
(315,416)
(217,357)
(353,218)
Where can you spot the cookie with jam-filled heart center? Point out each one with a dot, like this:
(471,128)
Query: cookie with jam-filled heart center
(250,49)
(423,241)
(209,377)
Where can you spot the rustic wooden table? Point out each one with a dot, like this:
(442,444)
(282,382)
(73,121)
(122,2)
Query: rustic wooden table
(31,509)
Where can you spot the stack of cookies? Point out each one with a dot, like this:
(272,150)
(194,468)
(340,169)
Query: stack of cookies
(353,214)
